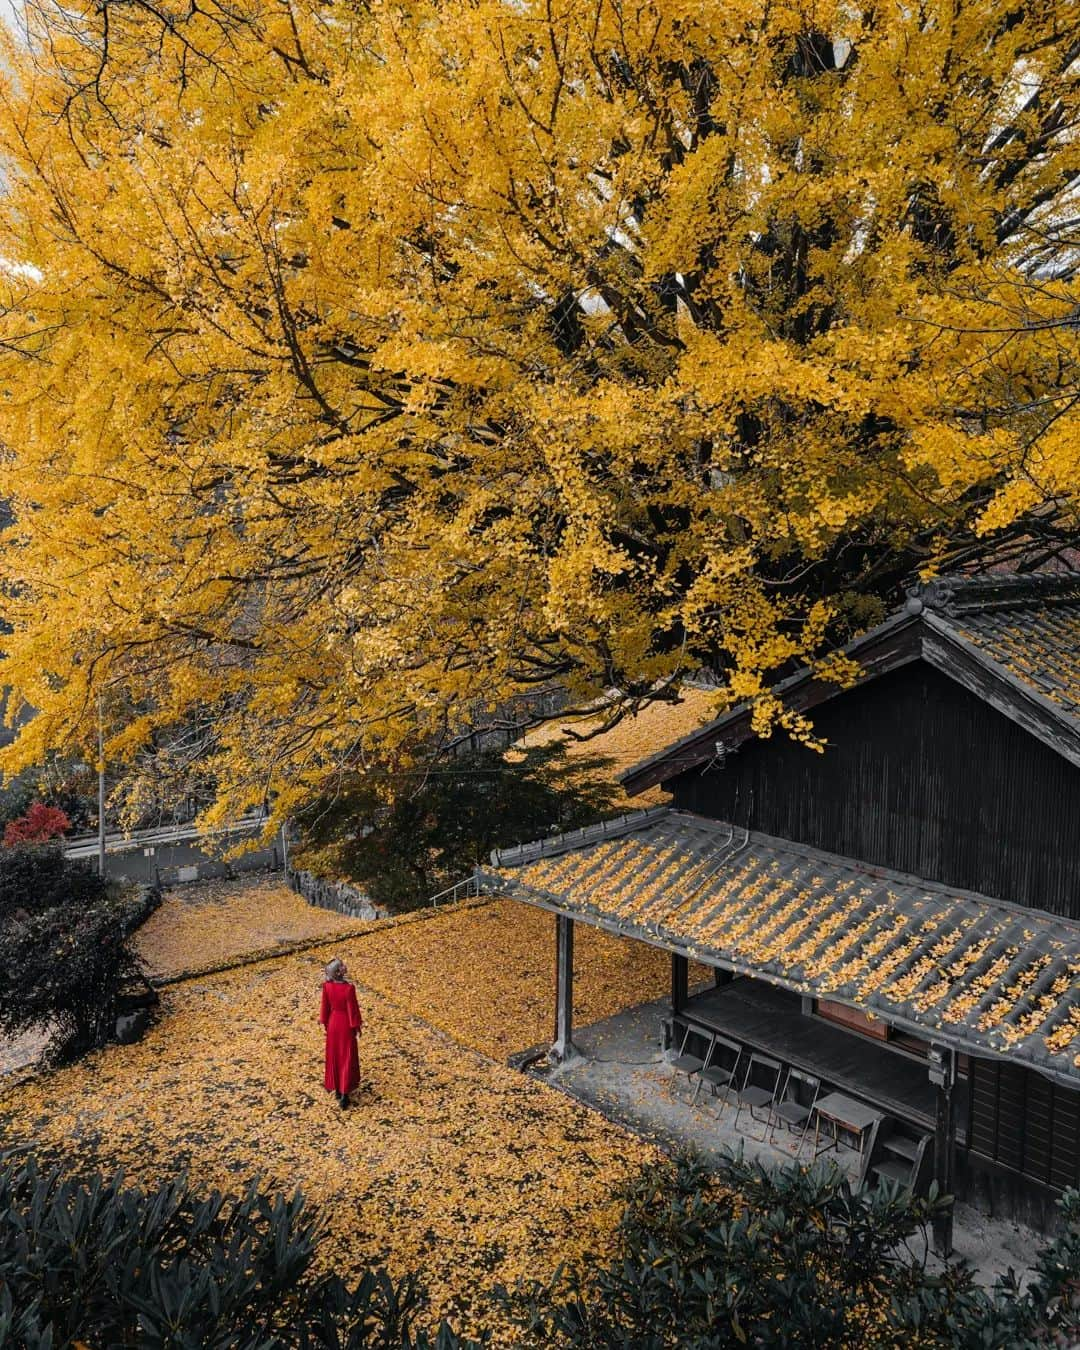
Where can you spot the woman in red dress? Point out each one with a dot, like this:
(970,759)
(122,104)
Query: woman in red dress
(340,1015)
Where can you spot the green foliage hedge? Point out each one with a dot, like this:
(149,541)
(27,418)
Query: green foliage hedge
(109,1266)
(65,951)
(704,1261)
(794,1258)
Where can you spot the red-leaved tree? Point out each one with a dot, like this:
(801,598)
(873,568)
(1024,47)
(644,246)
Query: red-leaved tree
(39,824)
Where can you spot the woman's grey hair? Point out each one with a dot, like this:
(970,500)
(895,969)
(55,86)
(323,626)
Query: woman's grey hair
(335,968)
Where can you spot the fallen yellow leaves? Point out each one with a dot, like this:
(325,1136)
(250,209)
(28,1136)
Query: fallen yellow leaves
(448,1163)
(486,974)
(210,923)
(1041,654)
(633,739)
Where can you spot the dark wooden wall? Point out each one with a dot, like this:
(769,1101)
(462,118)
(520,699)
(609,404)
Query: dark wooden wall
(1025,1123)
(921,776)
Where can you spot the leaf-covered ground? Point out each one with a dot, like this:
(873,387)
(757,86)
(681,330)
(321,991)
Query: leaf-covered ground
(210,923)
(449,1162)
(630,741)
(486,974)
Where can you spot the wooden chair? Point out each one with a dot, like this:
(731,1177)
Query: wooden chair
(899,1154)
(794,1105)
(760,1088)
(721,1075)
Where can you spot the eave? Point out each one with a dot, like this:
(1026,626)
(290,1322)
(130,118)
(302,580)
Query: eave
(901,640)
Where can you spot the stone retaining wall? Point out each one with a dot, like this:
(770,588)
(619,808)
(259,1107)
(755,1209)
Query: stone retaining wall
(147,897)
(336,895)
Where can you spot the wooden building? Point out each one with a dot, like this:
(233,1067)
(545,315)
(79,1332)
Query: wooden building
(899,915)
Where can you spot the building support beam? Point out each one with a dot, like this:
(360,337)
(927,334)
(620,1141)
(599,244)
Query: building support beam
(563,1047)
(680,982)
(943,1075)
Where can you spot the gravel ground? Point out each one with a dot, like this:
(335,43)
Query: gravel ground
(21,1051)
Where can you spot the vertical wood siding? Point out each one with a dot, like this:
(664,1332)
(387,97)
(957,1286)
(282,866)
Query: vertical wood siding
(1025,1123)
(921,776)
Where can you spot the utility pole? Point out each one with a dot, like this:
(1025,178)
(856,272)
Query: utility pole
(101,786)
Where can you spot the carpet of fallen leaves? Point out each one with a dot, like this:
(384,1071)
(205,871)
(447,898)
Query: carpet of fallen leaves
(207,924)
(449,1163)
(486,973)
(655,727)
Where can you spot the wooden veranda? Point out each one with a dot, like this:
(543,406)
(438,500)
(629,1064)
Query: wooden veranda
(774,1022)
(921,1090)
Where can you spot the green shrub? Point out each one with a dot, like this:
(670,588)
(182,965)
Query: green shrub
(792,1258)
(65,951)
(98,1263)
(36,878)
(429,831)
(705,1261)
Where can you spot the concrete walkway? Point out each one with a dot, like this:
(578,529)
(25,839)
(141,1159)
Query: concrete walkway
(623,1073)
(20,1052)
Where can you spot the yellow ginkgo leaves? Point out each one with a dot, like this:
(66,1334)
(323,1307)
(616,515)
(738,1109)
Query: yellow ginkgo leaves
(364,367)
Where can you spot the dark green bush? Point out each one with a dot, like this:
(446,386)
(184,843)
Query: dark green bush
(98,1263)
(65,953)
(705,1261)
(431,830)
(36,878)
(792,1258)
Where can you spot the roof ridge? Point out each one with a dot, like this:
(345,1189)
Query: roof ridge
(954,595)
(627,823)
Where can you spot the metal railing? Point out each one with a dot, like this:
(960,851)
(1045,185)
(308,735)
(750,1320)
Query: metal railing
(460,890)
(86,845)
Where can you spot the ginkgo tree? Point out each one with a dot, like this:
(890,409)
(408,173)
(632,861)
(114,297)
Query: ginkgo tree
(367,365)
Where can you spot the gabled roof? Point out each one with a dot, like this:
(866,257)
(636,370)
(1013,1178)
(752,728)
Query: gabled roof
(1030,630)
(949,965)
(1012,641)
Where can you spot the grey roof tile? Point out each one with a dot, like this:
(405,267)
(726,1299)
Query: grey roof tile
(988,976)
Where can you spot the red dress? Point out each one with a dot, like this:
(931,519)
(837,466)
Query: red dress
(340,1015)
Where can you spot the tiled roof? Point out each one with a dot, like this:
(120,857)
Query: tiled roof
(977,973)
(1030,626)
